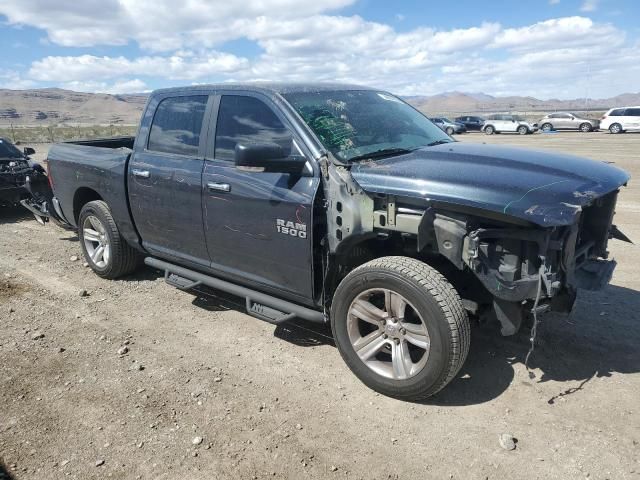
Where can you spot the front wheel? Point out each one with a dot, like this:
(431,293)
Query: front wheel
(106,252)
(489,130)
(546,127)
(449,131)
(523,130)
(586,127)
(400,326)
(615,128)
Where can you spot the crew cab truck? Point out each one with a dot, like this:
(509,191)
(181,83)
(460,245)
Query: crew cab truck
(342,204)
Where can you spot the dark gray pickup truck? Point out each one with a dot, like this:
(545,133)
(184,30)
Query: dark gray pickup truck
(343,204)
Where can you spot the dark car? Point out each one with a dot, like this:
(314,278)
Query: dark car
(471,123)
(15,168)
(342,204)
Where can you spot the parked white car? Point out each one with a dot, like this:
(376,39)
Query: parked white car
(508,123)
(618,120)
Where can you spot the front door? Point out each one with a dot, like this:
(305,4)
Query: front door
(258,225)
(165,180)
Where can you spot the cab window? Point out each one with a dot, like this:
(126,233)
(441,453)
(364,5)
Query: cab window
(246,120)
(176,125)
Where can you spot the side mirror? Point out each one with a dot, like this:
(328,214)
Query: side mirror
(267,157)
(29,151)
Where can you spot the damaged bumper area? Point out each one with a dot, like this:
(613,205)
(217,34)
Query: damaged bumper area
(521,267)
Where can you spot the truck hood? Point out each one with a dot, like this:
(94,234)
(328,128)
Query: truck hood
(544,188)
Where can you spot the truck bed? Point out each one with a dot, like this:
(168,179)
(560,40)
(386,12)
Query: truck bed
(95,169)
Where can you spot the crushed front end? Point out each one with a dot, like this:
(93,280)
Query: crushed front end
(542,268)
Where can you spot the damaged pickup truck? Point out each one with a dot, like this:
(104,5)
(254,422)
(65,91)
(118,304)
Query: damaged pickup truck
(19,176)
(343,204)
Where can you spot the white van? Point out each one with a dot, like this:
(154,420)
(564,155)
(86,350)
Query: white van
(618,120)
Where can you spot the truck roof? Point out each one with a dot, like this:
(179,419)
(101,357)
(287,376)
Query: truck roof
(268,87)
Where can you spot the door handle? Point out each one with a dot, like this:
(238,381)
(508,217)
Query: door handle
(220,187)
(140,173)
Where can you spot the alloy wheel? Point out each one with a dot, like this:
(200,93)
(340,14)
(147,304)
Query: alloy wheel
(96,241)
(388,334)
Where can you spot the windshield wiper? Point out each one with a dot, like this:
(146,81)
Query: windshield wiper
(439,142)
(385,152)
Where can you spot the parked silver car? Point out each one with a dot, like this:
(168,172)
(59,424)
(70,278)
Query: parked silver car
(567,121)
(448,126)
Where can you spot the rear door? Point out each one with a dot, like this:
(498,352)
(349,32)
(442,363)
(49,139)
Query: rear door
(165,179)
(631,119)
(258,225)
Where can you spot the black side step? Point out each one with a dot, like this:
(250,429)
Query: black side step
(260,305)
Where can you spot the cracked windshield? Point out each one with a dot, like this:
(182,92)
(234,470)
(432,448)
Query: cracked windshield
(362,124)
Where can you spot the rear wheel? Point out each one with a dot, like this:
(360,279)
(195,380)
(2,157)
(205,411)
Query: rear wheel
(586,127)
(615,128)
(489,130)
(400,327)
(104,249)
(450,131)
(523,130)
(546,127)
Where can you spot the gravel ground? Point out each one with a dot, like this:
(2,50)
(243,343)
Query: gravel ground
(135,379)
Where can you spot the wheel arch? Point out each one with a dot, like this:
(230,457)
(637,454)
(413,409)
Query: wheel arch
(81,197)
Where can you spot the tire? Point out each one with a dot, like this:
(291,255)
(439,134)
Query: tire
(546,127)
(118,257)
(450,131)
(489,130)
(523,130)
(615,128)
(433,312)
(585,127)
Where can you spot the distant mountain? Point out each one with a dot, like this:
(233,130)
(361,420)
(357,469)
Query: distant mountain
(459,102)
(56,106)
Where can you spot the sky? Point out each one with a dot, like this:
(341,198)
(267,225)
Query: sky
(544,48)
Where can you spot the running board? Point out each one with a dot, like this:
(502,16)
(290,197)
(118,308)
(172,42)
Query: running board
(260,305)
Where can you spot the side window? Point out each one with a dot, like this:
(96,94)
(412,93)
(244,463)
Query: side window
(247,120)
(632,112)
(176,125)
(618,112)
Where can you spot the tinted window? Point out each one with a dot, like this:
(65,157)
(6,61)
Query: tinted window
(618,112)
(554,115)
(176,125)
(247,120)
(632,112)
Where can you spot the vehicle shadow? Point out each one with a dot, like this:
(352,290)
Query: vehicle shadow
(598,339)
(4,472)
(14,214)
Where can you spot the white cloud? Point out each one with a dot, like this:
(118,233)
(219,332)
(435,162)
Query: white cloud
(589,6)
(559,33)
(182,66)
(305,41)
(157,25)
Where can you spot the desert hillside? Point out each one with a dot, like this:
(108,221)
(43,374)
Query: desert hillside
(53,106)
(56,106)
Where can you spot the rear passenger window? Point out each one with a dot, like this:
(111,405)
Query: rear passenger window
(176,125)
(632,112)
(247,120)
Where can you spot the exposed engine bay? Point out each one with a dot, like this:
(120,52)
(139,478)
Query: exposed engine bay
(498,263)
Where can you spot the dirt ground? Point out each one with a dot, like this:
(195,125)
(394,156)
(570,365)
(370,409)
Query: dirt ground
(205,391)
